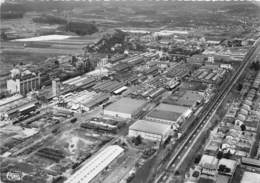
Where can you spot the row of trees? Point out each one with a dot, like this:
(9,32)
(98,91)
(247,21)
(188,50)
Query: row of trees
(11,15)
(116,42)
(80,28)
(49,19)
(12,11)
(255,66)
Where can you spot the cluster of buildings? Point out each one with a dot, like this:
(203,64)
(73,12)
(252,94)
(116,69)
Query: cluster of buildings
(19,136)
(22,82)
(157,124)
(220,52)
(212,74)
(162,121)
(125,108)
(212,169)
(150,130)
(103,125)
(223,170)
(16,106)
(109,86)
(25,78)
(178,70)
(150,95)
(187,98)
(80,81)
(83,101)
(172,115)
(238,129)
(233,143)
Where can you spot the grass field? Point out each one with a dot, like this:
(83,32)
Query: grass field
(38,51)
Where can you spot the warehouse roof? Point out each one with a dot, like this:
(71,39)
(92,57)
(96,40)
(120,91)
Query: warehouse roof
(126,105)
(251,161)
(172,108)
(7,100)
(164,115)
(208,161)
(119,90)
(98,99)
(16,105)
(27,106)
(250,177)
(70,81)
(150,127)
(185,98)
(93,167)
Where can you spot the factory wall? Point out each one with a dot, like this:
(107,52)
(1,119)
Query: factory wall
(118,114)
(23,86)
(146,135)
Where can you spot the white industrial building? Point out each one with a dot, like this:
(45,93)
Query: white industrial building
(93,167)
(79,100)
(120,90)
(150,130)
(23,82)
(124,108)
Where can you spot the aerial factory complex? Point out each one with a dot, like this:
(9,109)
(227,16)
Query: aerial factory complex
(129,92)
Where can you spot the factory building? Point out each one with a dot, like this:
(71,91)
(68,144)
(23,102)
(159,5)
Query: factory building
(95,165)
(108,86)
(150,130)
(15,106)
(125,108)
(24,82)
(187,98)
(98,100)
(116,58)
(4,76)
(85,100)
(56,87)
(120,90)
(80,82)
(169,114)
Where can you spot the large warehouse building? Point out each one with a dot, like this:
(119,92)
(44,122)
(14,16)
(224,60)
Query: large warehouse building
(124,108)
(16,105)
(169,114)
(150,130)
(93,167)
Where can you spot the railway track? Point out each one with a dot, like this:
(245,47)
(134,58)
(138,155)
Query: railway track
(217,100)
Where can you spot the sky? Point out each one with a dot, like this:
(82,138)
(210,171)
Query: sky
(1,1)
